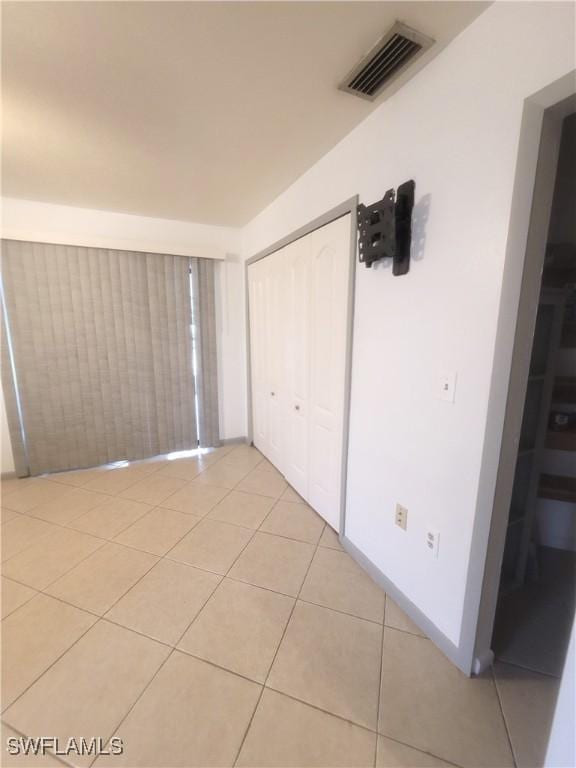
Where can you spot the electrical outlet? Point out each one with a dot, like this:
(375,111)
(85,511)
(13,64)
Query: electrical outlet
(433,541)
(401,517)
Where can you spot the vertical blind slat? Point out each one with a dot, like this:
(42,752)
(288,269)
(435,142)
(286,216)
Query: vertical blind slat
(205,315)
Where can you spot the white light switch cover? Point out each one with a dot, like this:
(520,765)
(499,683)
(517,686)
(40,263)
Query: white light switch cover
(447,386)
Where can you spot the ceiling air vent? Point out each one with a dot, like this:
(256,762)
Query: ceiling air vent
(391,55)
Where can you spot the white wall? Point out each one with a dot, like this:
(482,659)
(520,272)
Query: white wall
(28,220)
(454,129)
(49,223)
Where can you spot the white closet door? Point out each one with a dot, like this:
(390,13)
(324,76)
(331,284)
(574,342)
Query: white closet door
(329,278)
(276,340)
(259,354)
(299,301)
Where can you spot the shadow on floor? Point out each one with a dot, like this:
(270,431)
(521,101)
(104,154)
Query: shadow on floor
(533,624)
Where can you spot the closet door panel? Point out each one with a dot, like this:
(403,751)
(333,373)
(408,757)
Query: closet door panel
(257,292)
(276,339)
(298,363)
(330,266)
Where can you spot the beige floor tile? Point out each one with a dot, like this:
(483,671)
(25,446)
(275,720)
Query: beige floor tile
(147,466)
(153,489)
(263,482)
(211,545)
(69,506)
(33,637)
(244,457)
(295,521)
(31,494)
(528,701)
(8,514)
(23,760)
(267,466)
(289,494)
(332,661)
(10,484)
(195,499)
(289,734)
(330,539)
(240,628)
(395,617)
(183,469)
(14,595)
(192,714)
(164,602)
(214,455)
(336,581)
(76,477)
(428,703)
(90,689)
(111,517)
(100,580)
(112,481)
(222,475)
(51,557)
(274,563)
(245,509)
(392,754)
(158,530)
(21,532)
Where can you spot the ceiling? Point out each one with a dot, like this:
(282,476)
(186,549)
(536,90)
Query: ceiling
(200,111)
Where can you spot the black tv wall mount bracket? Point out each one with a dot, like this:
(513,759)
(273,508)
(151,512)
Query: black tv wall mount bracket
(385,229)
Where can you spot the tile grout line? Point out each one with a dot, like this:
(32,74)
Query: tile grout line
(170,654)
(501,707)
(68,527)
(527,669)
(222,577)
(56,660)
(172,648)
(153,507)
(71,488)
(380,677)
(21,604)
(83,487)
(135,702)
(98,619)
(275,656)
(56,757)
(65,573)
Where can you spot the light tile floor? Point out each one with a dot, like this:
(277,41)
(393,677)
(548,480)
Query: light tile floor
(199,610)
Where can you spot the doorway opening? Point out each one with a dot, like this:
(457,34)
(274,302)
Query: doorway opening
(537,590)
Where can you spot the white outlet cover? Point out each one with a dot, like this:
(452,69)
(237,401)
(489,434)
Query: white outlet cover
(433,541)
(446,389)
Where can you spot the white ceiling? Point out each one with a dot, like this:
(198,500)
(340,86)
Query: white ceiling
(201,111)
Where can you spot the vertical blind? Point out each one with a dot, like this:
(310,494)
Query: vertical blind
(107,355)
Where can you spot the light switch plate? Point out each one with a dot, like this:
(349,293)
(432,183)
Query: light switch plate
(447,386)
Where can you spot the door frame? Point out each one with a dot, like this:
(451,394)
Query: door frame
(533,192)
(349,206)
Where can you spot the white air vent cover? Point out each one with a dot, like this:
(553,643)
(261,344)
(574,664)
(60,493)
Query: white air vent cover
(391,55)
